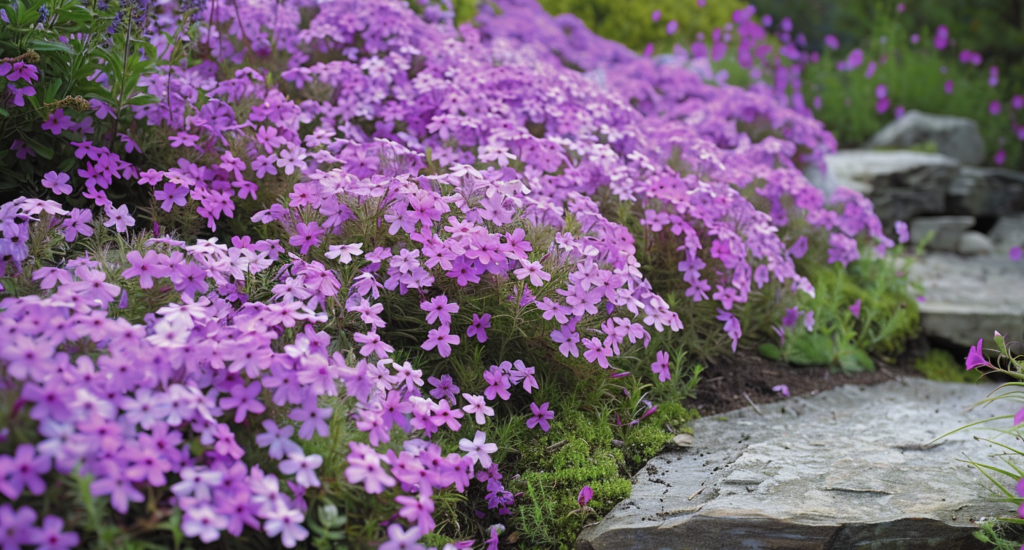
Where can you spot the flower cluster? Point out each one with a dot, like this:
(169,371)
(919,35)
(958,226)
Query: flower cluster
(423,189)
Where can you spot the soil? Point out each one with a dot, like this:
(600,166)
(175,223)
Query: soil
(734,381)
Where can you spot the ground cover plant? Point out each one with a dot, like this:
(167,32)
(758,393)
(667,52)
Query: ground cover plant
(344,273)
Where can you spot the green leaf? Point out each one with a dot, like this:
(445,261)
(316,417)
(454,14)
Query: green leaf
(3,112)
(809,350)
(853,359)
(770,351)
(40,149)
(142,99)
(50,46)
(51,91)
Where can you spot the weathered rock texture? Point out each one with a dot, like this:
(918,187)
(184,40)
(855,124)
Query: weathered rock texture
(945,230)
(958,137)
(902,184)
(849,468)
(970,298)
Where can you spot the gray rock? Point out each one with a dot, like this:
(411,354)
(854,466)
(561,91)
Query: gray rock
(974,243)
(986,192)
(1007,233)
(849,468)
(958,137)
(947,230)
(902,184)
(970,298)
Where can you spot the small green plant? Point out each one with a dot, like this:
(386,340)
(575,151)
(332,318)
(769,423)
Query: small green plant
(940,365)
(859,311)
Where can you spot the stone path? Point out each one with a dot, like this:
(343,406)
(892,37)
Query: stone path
(848,468)
(970,298)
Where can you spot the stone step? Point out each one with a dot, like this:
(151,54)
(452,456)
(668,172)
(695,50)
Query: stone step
(848,468)
(970,298)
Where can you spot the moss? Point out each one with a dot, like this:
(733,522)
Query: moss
(940,364)
(580,450)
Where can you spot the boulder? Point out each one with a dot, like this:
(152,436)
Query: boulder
(970,298)
(850,468)
(958,137)
(974,243)
(986,192)
(947,230)
(902,184)
(1007,233)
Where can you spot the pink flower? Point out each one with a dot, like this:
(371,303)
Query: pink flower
(438,309)
(51,536)
(941,37)
(478,407)
(400,539)
(999,158)
(119,218)
(146,268)
(303,467)
(442,339)
(417,510)
(975,358)
(534,272)
(948,87)
(855,309)
(479,327)
(902,232)
(23,470)
(781,388)
(661,368)
(586,493)
(1017,102)
(307,235)
(1016,254)
(541,415)
(832,42)
(478,450)
(995,107)
(57,122)
(58,183)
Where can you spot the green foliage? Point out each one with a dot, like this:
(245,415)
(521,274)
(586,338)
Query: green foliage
(940,365)
(629,22)
(582,450)
(888,316)
(1001,535)
(66,69)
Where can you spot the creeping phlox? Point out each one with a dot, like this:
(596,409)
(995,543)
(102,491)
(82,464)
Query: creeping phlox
(403,158)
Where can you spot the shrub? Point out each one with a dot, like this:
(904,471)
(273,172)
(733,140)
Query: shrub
(631,23)
(350,201)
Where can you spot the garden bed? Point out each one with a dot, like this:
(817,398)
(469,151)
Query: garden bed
(731,379)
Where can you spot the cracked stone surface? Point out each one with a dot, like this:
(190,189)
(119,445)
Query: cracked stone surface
(970,298)
(850,468)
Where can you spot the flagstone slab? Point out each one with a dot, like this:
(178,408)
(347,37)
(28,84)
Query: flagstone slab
(850,468)
(970,298)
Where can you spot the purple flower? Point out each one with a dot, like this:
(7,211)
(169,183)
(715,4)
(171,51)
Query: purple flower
(478,450)
(941,37)
(478,407)
(661,368)
(975,357)
(438,309)
(809,321)
(902,233)
(57,182)
(479,327)
(401,539)
(948,87)
(51,536)
(17,528)
(23,470)
(855,309)
(146,268)
(995,107)
(442,339)
(672,27)
(781,388)
(303,467)
(586,494)
(831,42)
(1016,254)
(540,415)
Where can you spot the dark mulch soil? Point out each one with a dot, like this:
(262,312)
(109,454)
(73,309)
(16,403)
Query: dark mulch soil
(727,383)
